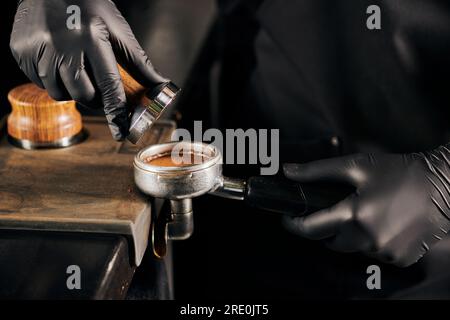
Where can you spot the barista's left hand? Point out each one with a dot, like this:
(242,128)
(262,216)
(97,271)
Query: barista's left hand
(401,206)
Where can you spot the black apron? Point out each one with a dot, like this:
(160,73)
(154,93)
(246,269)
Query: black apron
(320,72)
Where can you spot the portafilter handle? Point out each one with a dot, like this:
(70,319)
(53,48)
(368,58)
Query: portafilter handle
(282,196)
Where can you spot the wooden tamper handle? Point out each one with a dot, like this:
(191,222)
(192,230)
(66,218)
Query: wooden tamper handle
(38,121)
(135,92)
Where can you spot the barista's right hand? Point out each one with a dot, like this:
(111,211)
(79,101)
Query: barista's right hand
(70,49)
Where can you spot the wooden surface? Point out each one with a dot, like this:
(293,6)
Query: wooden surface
(38,118)
(84,188)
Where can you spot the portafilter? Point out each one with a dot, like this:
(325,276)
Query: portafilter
(179,183)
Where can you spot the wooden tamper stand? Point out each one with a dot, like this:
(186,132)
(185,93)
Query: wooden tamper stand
(38,121)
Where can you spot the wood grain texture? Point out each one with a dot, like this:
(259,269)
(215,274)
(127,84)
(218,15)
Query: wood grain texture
(88,187)
(38,118)
(134,91)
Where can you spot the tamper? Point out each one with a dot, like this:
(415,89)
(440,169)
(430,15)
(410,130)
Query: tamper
(149,104)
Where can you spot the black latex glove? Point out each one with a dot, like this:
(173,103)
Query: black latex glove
(401,206)
(81,64)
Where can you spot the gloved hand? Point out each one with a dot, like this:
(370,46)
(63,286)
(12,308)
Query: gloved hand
(80,64)
(401,206)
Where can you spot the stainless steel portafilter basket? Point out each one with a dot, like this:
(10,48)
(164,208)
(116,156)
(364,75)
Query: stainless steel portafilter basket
(178,182)
(181,183)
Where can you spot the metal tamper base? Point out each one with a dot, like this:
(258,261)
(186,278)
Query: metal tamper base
(144,116)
